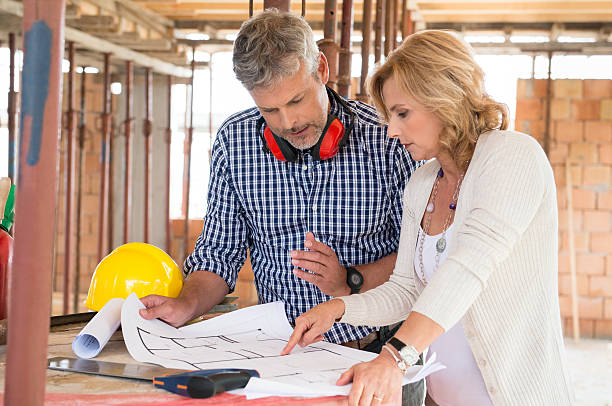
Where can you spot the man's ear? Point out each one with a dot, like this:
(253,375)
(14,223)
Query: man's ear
(323,68)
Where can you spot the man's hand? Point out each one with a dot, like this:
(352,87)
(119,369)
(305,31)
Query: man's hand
(201,291)
(310,326)
(175,312)
(325,269)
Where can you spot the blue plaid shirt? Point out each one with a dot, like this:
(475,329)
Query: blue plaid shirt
(351,202)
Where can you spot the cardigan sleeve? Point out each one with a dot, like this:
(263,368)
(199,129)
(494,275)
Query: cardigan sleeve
(392,301)
(510,182)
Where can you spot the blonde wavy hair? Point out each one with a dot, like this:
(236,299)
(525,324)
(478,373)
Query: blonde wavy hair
(439,71)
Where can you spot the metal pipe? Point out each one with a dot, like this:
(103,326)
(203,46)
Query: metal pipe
(12,107)
(388,26)
(187,162)
(328,44)
(147,132)
(407,25)
(548,101)
(344,60)
(378,29)
(394,25)
(111,175)
(30,272)
(282,5)
(366,33)
(168,143)
(127,207)
(104,164)
(210,110)
(79,180)
(69,158)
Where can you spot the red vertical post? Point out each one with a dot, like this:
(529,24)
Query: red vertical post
(344,60)
(168,144)
(210,109)
(147,131)
(282,5)
(104,164)
(30,273)
(187,162)
(12,104)
(79,177)
(388,26)
(70,157)
(127,207)
(328,44)
(111,174)
(407,25)
(378,29)
(394,24)
(366,33)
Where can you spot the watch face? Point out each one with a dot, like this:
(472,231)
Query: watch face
(356,279)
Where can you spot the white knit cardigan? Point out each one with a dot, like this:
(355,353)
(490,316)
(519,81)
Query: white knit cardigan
(500,277)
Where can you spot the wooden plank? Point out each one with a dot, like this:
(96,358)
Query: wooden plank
(99,45)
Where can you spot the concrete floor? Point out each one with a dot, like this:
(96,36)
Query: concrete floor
(590,363)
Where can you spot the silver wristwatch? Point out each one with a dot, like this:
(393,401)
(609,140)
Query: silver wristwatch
(408,354)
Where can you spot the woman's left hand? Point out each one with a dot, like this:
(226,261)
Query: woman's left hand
(374,383)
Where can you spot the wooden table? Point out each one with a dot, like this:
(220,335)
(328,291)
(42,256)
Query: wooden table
(70,389)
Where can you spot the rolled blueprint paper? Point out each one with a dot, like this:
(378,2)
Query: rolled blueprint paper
(90,341)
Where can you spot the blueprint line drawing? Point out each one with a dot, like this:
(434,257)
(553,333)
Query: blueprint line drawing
(250,338)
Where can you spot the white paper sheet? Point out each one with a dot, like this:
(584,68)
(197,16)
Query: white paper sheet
(94,336)
(250,338)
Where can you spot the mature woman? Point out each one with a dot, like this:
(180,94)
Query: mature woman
(476,273)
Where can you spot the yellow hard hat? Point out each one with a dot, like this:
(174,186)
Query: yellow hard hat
(133,267)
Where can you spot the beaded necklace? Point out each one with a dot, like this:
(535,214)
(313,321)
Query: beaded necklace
(441,243)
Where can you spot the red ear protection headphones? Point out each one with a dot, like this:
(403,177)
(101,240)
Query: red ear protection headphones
(332,137)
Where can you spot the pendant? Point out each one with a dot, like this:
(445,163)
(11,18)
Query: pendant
(441,245)
(430,208)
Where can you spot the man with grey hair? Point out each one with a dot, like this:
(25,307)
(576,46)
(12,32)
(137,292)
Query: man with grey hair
(303,169)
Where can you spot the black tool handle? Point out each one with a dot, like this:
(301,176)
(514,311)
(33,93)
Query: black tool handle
(201,387)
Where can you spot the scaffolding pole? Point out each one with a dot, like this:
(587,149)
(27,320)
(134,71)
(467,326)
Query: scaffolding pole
(30,273)
(127,202)
(12,110)
(104,164)
(147,131)
(187,163)
(69,167)
(168,144)
(79,186)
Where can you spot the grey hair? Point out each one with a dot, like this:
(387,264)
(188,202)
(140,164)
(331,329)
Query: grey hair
(270,46)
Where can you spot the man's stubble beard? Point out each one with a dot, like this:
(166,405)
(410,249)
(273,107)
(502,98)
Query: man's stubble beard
(300,142)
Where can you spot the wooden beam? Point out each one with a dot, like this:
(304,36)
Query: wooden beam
(140,44)
(515,16)
(95,23)
(99,45)
(96,44)
(525,6)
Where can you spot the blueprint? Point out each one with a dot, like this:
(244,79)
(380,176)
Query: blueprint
(250,338)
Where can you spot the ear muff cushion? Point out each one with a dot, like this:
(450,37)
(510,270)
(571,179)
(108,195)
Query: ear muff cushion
(279,147)
(330,143)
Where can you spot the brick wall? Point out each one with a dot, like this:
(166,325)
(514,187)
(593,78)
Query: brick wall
(581,132)
(90,191)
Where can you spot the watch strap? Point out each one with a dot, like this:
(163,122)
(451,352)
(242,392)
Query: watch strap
(350,273)
(407,353)
(396,343)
